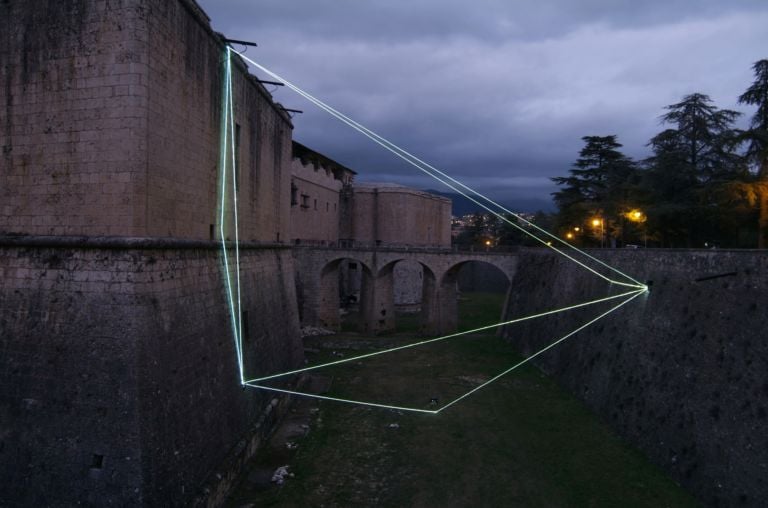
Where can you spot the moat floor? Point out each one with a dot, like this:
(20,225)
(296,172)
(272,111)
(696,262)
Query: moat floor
(521,441)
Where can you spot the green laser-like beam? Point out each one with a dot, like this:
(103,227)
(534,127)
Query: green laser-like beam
(227,270)
(445,337)
(558,341)
(425,168)
(433,172)
(634,294)
(335,399)
(235,184)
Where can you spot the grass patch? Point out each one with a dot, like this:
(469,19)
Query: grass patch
(522,441)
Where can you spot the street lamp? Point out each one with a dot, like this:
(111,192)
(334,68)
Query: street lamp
(637,215)
(599,222)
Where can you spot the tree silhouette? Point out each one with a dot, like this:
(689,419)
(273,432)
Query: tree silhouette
(598,186)
(757,150)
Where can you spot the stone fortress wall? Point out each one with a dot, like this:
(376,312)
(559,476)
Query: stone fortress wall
(680,372)
(118,378)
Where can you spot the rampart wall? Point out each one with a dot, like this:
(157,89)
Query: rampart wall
(119,382)
(682,373)
(118,379)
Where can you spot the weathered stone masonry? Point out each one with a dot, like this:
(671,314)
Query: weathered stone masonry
(681,372)
(118,379)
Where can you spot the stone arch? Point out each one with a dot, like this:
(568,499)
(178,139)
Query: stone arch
(387,287)
(339,287)
(448,292)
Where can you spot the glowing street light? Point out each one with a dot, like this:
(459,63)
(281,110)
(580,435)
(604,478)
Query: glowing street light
(598,222)
(635,215)
(569,235)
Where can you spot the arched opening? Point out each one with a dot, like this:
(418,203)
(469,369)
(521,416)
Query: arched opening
(344,292)
(472,294)
(408,304)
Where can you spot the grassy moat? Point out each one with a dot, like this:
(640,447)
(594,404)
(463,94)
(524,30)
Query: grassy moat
(521,441)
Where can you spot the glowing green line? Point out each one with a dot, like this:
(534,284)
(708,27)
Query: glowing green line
(237,234)
(526,360)
(225,129)
(422,166)
(445,337)
(418,410)
(334,399)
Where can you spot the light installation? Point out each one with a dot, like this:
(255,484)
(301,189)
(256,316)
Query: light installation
(231,251)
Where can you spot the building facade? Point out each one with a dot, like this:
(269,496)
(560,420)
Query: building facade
(318,188)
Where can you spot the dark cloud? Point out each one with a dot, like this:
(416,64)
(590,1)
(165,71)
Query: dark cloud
(496,93)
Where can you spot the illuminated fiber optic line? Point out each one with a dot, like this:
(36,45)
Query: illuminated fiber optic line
(427,169)
(444,337)
(235,184)
(421,165)
(547,348)
(335,399)
(227,269)
(634,294)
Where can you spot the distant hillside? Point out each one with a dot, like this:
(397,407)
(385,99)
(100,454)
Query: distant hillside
(463,206)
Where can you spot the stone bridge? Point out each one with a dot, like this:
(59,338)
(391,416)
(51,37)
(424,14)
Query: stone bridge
(319,269)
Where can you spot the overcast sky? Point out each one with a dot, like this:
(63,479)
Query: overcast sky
(497,93)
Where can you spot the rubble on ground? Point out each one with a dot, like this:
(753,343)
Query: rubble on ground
(315,331)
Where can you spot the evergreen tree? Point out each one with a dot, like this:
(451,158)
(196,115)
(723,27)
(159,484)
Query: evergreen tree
(757,151)
(705,134)
(598,186)
(693,180)
(667,190)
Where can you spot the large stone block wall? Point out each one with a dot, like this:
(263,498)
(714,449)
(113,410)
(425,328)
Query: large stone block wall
(118,379)
(395,215)
(112,124)
(680,373)
(73,75)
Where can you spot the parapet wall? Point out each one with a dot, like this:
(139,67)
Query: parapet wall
(118,379)
(681,373)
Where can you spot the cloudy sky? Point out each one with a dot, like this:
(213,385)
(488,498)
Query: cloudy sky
(497,93)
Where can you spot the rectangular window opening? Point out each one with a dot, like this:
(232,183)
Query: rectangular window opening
(97,462)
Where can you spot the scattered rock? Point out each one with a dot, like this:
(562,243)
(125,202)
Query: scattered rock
(280,475)
(314,331)
(394,425)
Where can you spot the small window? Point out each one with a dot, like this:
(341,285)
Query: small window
(353,266)
(327,206)
(294,194)
(304,201)
(315,204)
